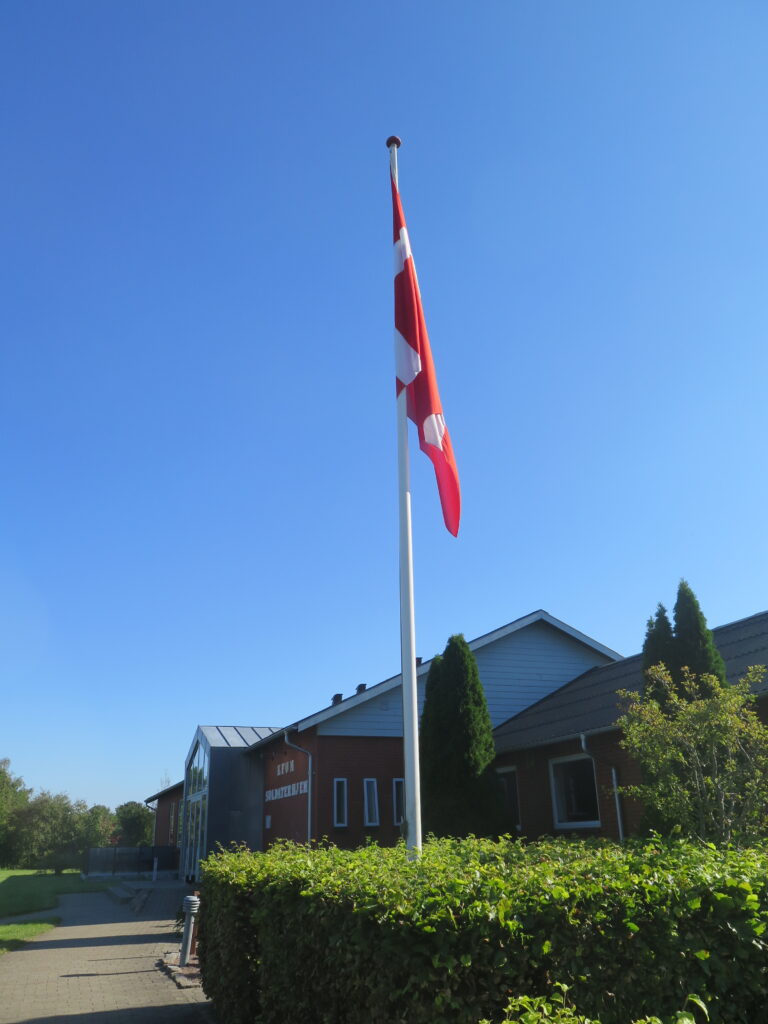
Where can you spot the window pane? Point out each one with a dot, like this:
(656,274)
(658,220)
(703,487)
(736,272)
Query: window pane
(398,800)
(340,802)
(370,792)
(511,805)
(575,792)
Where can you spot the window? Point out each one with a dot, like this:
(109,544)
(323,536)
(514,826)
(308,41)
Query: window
(371,802)
(574,792)
(398,800)
(340,803)
(508,780)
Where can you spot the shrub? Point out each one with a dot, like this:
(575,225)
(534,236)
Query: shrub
(704,755)
(450,937)
(558,1009)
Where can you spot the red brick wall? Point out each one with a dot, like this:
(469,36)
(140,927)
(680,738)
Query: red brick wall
(353,758)
(285,815)
(356,758)
(535,795)
(167,817)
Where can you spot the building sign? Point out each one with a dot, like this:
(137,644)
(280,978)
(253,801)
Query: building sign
(284,767)
(281,792)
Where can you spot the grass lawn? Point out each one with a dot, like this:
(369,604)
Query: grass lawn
(25,892)
(13,936)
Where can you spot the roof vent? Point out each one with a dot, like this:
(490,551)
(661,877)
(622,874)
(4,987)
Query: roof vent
(360,688)
(336,699)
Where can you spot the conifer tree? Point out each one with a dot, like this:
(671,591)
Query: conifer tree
(658,649)
(431,729)
(659,640)
(694,646)
(460,792)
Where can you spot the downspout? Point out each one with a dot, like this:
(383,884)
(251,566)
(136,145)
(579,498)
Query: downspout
(309,782)
(614,782)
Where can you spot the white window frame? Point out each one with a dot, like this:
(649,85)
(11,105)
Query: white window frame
(553,790)
(395,820)
(370,813)
(511,769)
(340,813)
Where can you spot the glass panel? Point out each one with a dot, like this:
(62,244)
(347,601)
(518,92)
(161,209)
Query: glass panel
(575,791)
(511,805)
(398,800)
(340,802)
(371,802)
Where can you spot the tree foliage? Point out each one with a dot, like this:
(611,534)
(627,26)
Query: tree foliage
(45,832)
(135,824)
(48,830)
(13,795)
(704,755)
(690,645)
(460,792)
(659,640)
(694,646)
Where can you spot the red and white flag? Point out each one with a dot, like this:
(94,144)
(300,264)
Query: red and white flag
(415,371)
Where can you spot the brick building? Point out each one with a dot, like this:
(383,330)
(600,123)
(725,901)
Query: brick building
(552,696)
(561,756)
(167,814)
(353,789)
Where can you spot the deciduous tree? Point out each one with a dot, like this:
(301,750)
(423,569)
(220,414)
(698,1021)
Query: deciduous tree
(704,755)
(13,795)
(135,824)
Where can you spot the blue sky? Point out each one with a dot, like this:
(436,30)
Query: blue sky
(198,516)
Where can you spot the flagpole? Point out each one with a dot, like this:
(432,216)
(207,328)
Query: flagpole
(412,811)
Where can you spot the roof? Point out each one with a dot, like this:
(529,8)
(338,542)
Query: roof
(164,792)
(233,736)
(479,642)
(589,703)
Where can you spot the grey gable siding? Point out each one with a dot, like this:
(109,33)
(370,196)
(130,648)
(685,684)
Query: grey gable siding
(527,665)
(516,671)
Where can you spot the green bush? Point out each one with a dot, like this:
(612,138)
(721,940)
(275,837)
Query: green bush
(449,938)
(556,1008)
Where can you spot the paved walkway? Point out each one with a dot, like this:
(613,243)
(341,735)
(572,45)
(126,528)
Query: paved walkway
(99,967)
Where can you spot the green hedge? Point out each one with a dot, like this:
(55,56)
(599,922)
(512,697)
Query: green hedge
(331,936)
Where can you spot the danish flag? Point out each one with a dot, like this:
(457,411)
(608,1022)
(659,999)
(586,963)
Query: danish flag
(415,371)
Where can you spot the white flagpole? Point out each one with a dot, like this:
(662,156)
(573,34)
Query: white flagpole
(407,618)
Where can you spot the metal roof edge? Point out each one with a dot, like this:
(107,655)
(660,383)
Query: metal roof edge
(156,796)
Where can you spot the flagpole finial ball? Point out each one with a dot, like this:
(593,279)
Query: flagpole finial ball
(393,141)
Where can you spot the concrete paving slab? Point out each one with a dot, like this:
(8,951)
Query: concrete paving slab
(99,966)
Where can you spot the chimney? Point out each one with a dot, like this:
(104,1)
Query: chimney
(360,688)
(419,661)
(336,699)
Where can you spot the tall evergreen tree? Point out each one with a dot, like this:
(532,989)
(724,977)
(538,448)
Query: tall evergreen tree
(659,640)
(460,792)
(658,649)
(694,646)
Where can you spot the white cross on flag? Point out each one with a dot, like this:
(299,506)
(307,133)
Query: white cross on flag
(416,372)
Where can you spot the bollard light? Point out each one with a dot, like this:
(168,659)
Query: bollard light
(191,907)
